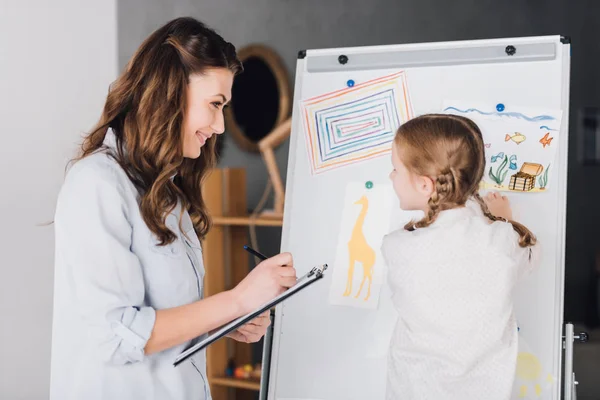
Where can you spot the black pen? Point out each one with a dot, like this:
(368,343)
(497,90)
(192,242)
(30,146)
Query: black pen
(254,252)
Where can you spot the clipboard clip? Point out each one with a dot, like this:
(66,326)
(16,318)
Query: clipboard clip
(318,271)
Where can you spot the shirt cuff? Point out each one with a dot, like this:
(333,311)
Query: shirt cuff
(133,330)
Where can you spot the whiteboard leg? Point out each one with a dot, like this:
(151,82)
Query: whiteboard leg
(266,359)
(569,339)
(568,345)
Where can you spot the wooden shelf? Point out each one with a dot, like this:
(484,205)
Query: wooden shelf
(236,383)
(245,221)
(227,263)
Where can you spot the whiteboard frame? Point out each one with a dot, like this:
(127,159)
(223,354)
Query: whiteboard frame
(328,58)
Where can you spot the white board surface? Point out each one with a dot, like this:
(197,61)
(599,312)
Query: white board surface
(328,351)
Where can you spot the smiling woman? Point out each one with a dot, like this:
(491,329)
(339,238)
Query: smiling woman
(207,95)
(129,292)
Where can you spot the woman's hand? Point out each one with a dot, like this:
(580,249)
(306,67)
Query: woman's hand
(253,331)
(266,281)
(498,205)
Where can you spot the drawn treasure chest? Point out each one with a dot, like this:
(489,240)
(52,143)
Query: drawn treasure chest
(524,180)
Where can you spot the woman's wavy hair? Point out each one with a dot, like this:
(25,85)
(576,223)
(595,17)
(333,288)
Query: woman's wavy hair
(145,108)
(450,150)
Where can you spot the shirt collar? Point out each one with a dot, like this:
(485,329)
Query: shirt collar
(448,217)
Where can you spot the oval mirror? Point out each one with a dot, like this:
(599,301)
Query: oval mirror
(260,97)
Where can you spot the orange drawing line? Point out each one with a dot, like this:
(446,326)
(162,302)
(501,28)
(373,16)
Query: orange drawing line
(310,137)
(338,92)
(352,161)
(336,95)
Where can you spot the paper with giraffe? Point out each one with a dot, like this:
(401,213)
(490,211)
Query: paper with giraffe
(359,268)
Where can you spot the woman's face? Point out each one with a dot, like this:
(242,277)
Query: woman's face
(207,94)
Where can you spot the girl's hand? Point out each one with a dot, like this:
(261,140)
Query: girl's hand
(498,205)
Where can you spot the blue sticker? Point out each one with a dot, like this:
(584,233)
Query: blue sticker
(350,83)
(500,107)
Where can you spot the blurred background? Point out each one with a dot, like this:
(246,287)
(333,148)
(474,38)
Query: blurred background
(58,58)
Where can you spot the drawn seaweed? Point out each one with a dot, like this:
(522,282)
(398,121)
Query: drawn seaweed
(543,179)
(500,173)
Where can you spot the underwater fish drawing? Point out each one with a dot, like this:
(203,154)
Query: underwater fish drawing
(545,141)
(517,137)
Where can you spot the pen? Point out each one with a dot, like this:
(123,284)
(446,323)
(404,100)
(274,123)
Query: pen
(254,252)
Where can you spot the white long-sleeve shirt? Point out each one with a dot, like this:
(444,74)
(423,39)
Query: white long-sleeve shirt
(452,284)
(110,278)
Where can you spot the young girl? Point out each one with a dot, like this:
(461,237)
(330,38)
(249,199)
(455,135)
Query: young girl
(452,273)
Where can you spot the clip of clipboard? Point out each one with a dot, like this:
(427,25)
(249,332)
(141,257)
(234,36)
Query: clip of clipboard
(312,276)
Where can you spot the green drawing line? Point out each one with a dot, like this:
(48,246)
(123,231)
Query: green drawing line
(543,180)
(500,173)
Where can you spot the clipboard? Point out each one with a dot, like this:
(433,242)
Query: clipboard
(312,276)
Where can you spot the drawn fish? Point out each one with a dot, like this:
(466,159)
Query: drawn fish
(517,137)
(488,145)
(545,141)
(513,162)
(497,156)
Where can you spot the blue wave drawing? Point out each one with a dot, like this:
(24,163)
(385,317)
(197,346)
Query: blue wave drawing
(504,114)
(547,128)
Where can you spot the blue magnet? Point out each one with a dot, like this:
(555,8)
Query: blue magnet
(369,185)
(350,83)
(500,107)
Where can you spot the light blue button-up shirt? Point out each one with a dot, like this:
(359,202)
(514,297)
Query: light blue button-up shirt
(110,278)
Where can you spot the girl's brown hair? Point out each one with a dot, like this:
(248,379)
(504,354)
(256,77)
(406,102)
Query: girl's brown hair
(145,108)
(449,149)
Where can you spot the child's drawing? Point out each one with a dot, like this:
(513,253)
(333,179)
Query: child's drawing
(355,123)
(497,173)
(524,180)
(545,141)
(527,128)
(516,137)
(513,162)
(500,172)
(497,156)
(531,380)
(360,251)
(543,179)
(358,270)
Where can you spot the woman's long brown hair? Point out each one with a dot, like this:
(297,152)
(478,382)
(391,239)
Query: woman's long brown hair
(450,150)
(145,108)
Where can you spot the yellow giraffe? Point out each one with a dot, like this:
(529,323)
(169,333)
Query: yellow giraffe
(359,250)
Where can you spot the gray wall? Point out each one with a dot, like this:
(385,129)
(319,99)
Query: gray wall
(56,62)
(288,25)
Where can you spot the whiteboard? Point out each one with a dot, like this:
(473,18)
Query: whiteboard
(323,351)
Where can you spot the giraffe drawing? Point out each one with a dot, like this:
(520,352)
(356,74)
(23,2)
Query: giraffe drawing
(360,251)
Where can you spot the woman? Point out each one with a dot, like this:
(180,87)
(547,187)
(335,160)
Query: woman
(129,272)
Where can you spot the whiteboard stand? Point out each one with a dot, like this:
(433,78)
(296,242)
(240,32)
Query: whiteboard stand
(519,71)
(569,340)
(266,359)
